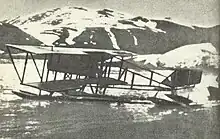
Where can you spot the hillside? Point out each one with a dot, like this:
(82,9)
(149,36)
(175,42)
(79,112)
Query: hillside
(109,29)
(14,35)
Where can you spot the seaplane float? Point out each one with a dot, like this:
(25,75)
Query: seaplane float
(97,70)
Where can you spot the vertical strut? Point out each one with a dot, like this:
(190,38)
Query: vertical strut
(83,88)
(110,65)
(24,70)
(132,80)
(119,75)
(105,70)
(35,64)
(104,90)
(97,88)
(151,78)
(42,74)
(55,76)
(91,89)
(101,67)
(44,64)
(13,63)
(64,76)
(47,74)
(125,74)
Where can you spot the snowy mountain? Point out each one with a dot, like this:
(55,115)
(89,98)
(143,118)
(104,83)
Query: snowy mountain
(109,29)
(159,42)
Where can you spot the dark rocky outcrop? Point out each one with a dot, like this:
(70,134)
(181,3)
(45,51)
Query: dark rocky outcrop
(150,42)
(14,35)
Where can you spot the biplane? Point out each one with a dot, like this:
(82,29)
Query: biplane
(88,73)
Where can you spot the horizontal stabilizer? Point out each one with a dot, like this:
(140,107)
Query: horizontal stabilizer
(183,77)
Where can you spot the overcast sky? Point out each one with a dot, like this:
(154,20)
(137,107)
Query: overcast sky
(197,12)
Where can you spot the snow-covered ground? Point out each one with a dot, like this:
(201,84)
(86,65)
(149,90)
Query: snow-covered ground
(189,56)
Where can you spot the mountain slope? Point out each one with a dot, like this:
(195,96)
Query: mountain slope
(12,34)
(108,29)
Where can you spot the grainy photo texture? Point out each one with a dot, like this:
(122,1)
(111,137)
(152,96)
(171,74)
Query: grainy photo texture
(109,69)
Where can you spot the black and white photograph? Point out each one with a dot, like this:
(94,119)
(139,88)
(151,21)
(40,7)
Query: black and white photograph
(109,69)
